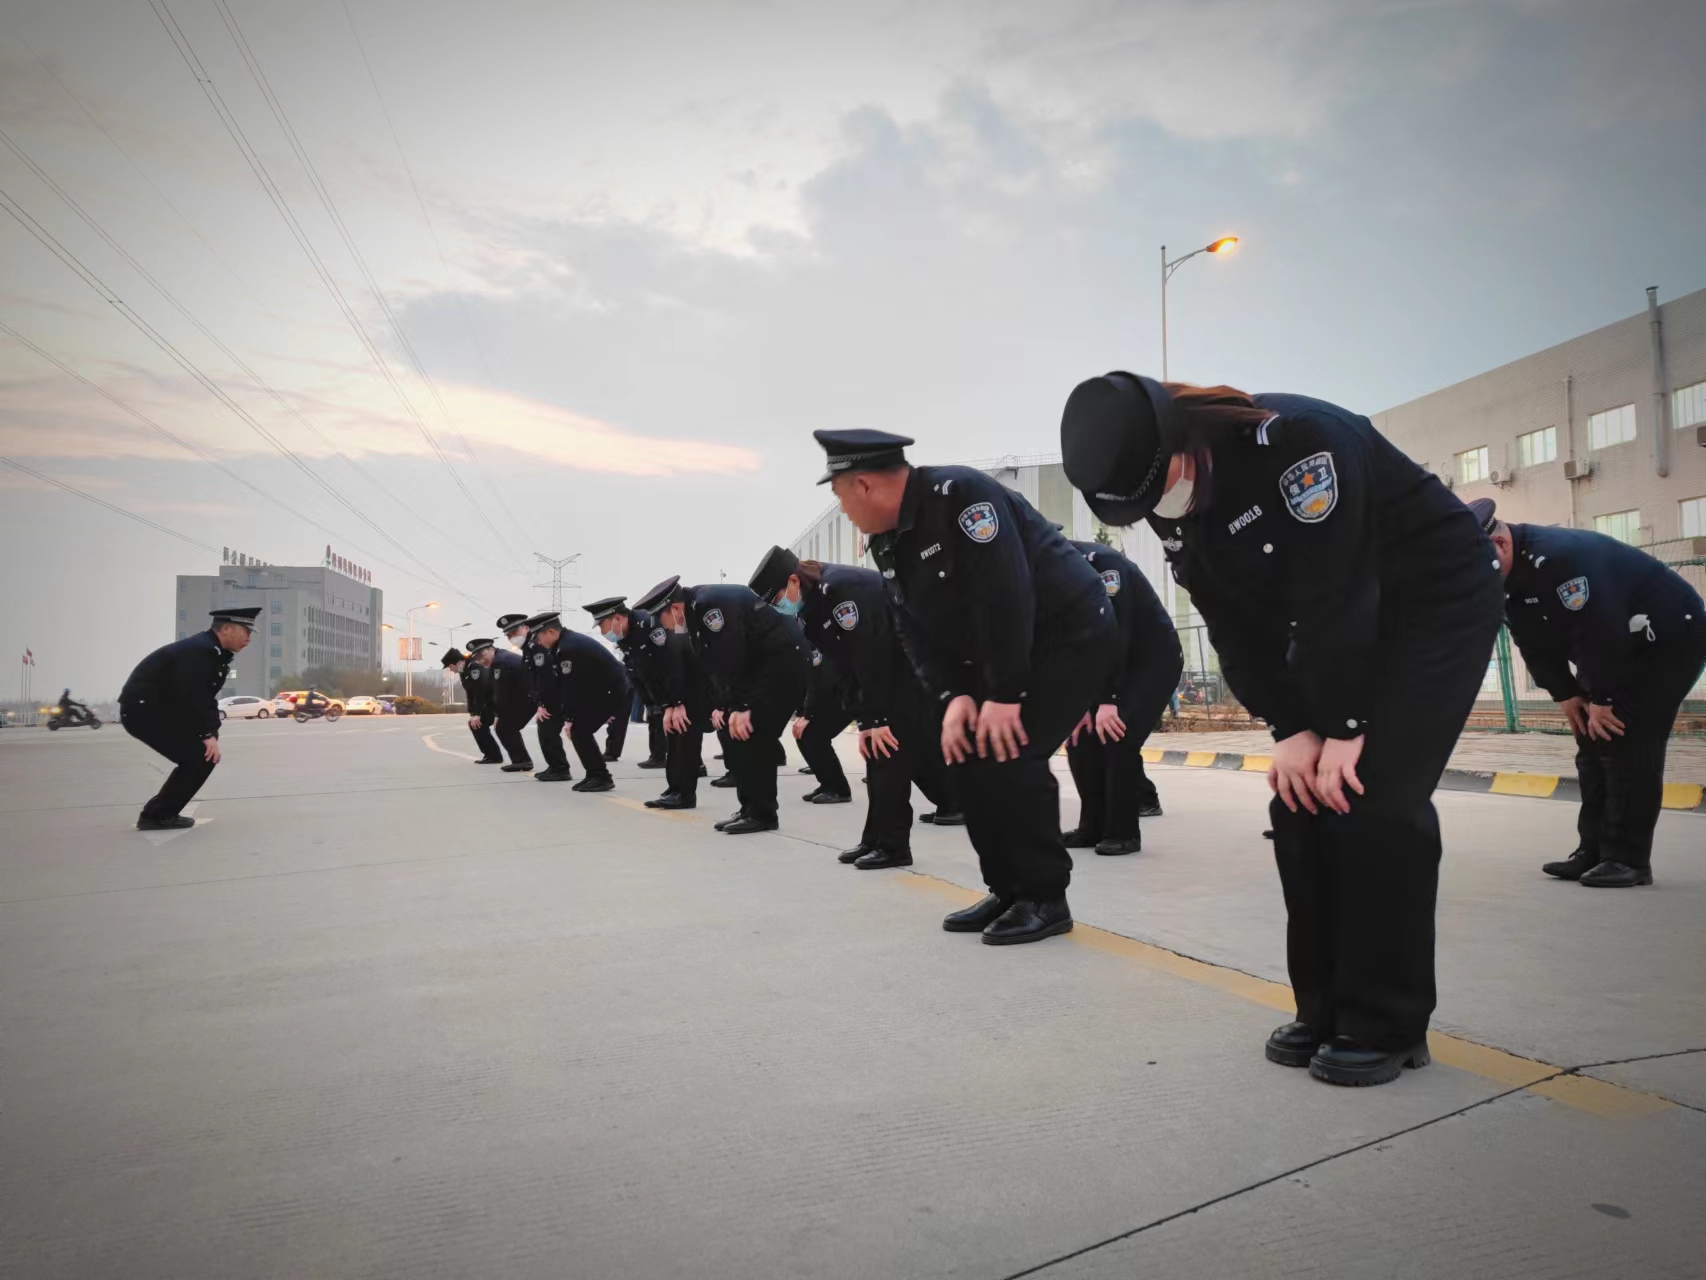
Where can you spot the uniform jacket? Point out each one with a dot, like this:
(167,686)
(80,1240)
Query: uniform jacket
(477,688)
(1146,632)
(674,667)
(746,650)
(1316,527)
(640,656)
(848,623)
(1574,596)
(978,579)
(580,676)
(512,688)
(179,684)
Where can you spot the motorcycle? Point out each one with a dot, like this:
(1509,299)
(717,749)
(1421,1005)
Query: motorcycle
(331,714)
(77,715)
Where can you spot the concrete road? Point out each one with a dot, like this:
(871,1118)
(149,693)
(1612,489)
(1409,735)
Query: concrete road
(387,1013)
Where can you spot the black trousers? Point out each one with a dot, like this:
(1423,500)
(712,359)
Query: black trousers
(754,762)
(817,745)
(585,721)
(917,727)
(656,743)
(551,743)
(179,745)
(1360,887)
(1013,809)
(1622,780)
(1112,785)
(483,739)
(508,729)
(683,754)
(617,738)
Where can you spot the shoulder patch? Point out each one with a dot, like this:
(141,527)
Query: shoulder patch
(1573,595)
(1111,580)
(847,615)
(979,522)
(714,620)
(817,658)
(659,635)
(565,666)
(538,658)
(1311,488)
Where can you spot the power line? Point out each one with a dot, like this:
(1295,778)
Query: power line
(102,502)
(556,584)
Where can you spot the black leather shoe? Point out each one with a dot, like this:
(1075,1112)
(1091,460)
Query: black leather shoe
(650,764)
(808,770)
(727,780)
(526,766)
(490,760)
(1029,920)
(1149,810)
(977,917)
(1572,867)
(1616,875)
(811,796)
(1268,834)
(854,854)
(746,826)
(1343,1061)
(949,819)
(674,802)
(733,818)
(704,772)
(658,803)
(1113,846)
(1078,838)
(1293,1045)
(881,859)
(177,822)
(595,784)
(553,775)
(829,797)
(718,756)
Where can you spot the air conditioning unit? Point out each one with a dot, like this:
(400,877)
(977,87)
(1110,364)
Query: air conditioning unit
(1504,479)
(1578,469)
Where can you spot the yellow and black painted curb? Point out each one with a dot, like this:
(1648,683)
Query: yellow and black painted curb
(1687,797)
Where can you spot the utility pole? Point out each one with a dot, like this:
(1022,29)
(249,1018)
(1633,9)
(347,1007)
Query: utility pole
(556,584)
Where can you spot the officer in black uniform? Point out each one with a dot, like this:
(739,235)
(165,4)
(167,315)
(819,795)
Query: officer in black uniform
(820,719)
(475,682)
(1636,634)
(846,616)
(613,620)
(171,703)
(678,680)
(512,692)
(539,678)
(1353,602)
(1011,633)
(1105,752)
(586,688)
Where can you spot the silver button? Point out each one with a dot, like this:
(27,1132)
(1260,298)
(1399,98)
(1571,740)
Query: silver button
(1495,562)
(1350,724)
(1267,548)
(941,573)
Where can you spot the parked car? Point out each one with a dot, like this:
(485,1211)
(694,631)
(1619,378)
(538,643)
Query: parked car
(283,704)
(242,706)
(363,705)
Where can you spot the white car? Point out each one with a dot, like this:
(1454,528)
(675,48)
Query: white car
(283,706)
(362,705)
(242,706)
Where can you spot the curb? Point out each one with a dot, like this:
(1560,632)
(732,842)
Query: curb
(1684,797)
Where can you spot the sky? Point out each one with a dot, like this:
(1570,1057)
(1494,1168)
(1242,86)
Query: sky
(445,286)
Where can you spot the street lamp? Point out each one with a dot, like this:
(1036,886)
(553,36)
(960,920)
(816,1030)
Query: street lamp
(409,672)
(1220,248)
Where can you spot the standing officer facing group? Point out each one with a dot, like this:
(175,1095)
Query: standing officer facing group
(1635,634)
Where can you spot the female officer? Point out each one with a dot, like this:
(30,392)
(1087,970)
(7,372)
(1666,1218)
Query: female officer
(1353,602)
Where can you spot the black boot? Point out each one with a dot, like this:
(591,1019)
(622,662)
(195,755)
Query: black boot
(1616,875)
(177,822)
(1572,867)
(525,766)
(854,854)
(1343,1061)
(1293,1045)
(882,859)
(606,783)
(553,775)
(1078,838)
(977,917)
(1116,845)
(1030,920)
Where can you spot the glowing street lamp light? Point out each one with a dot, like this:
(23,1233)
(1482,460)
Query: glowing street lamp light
(1219,248)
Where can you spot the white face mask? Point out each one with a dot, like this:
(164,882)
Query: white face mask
(1177,500)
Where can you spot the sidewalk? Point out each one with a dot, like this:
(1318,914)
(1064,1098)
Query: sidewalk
(1525,764)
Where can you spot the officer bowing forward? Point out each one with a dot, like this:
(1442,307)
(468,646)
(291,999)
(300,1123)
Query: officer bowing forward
(510,696)
(1010,632)
(845,613)
(582,688)
(171,703)
(1353,602)
(1636,634)
(1106,750)
(476,684)
(677,679)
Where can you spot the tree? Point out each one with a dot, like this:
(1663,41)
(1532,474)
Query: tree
(1103,536)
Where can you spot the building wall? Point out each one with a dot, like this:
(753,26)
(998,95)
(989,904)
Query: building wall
(310,616)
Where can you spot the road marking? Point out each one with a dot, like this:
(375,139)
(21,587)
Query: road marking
(1200,759)
(1540,785)
(1585,1093)
(1257,764)
(1683,795)
(674,815)
(431,739)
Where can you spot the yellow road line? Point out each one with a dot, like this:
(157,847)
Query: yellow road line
(1683,795)
(431,739)
(1151,755)
(674,815)
(1257,764)
(1524,784)
(1599,1097)
(1200,759)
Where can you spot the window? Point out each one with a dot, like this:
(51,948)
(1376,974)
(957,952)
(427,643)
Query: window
(1625,526)
(278,651)
(275,672)
(1614,426)
(278,606)
(1537,447)
(1472,465)
(1688,405)
(1693,517)
(278,628)
(182,615)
